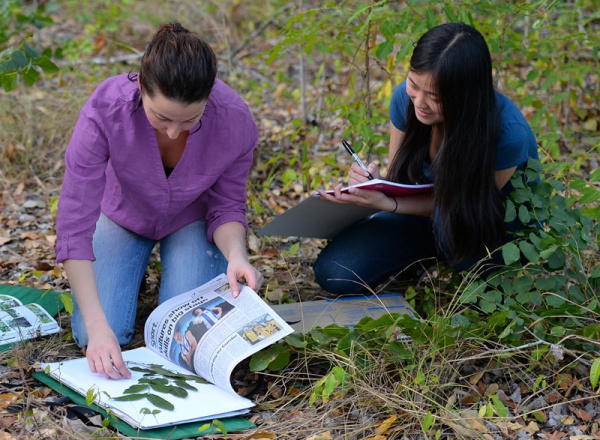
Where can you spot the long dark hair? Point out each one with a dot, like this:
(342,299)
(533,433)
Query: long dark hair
(466,197)
(178,64)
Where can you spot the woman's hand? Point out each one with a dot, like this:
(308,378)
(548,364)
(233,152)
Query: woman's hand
(230,238)
(103,352)
(240,268)
(104,356)
(363,197)
(358,175)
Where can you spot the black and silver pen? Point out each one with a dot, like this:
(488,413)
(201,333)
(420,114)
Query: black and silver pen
(356,158)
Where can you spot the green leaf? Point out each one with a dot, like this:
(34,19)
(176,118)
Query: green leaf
(130,397)
(46,65)
(19,59)
(160,402)
(384,49)
(296,340)
(547,253)
(331,382)
(141,370)
(499,406)
(595,373)
(399,350)
(183,384)
(260,361)
(498,318)
(160,386)
(487,306)
(510,253)
(529,251)
(220,426)
(430,18)
(178,392)
(388,29)
(450,14)
(428,421)
(67,301)
(9,81)
(30,52)
(524,215)
(511,211)
(134,389)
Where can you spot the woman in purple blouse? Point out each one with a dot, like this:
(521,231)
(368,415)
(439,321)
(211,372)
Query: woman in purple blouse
(158,156)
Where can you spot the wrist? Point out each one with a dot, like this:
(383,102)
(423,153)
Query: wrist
(395,205)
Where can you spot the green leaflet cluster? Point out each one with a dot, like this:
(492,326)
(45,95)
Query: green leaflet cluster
(159,379)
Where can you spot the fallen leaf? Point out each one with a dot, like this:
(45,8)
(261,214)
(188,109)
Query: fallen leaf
(491,389)
(385,425)
(514,426)
(582,414)
(553,397)
(19,190)
(557,435)
(591,125)
(6,436)
(7,399)
(321,436)
(261,435)
(531,428)
(8,421)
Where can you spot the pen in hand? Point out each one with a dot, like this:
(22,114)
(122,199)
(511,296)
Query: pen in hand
(356,158)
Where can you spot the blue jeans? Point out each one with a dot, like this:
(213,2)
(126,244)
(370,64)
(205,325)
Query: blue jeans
(368,253)
(187,258)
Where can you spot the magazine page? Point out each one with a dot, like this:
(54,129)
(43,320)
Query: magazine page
(8,302)
(25,322)
(208,331)
(202,401)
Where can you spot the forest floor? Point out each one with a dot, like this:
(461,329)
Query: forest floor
(566,408)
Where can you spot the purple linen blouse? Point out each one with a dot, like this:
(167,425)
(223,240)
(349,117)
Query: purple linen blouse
(113,166)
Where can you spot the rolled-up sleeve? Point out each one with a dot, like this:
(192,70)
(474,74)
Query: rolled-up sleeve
(226,199)
(83,185)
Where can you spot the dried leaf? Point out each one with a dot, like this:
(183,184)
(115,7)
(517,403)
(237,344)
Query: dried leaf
(582,414)
(531,428)
(385,425)
(321,436)
(7,399)
(476,377)
(261,435)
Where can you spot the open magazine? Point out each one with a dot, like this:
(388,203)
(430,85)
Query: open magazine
(205,332)
(19,322)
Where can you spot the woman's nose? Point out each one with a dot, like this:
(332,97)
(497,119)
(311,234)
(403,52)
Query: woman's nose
(419,100)
(173,131)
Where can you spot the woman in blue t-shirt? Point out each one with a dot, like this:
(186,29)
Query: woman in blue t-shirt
(450,128)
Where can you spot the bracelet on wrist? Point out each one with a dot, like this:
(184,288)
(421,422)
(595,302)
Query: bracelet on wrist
(396,202)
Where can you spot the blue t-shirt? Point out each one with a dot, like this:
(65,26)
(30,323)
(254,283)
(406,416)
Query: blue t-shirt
(516,142)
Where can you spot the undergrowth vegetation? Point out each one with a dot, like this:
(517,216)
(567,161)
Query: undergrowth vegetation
(330,68)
